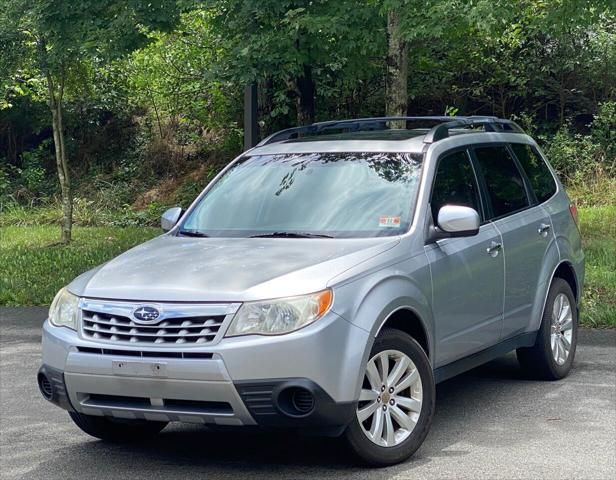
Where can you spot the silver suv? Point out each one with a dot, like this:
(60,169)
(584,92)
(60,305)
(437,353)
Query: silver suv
(325,281)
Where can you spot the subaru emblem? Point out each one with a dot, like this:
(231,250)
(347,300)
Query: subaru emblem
(146,314)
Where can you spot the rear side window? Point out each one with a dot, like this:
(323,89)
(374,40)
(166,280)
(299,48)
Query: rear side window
(538,173)
(503,180)
(455,184)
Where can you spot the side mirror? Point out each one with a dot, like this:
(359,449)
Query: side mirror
(170,218)
(457,221)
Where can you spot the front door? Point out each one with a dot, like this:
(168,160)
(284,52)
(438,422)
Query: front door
(467,273)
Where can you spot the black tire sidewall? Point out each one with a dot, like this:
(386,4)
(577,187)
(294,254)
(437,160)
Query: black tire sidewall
(376,455)
(558,371)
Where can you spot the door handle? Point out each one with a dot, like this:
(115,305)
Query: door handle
(494,248)
(543,229)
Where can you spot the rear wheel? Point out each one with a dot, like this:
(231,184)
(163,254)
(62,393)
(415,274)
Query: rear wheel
(552,355)
(113,430)
(396,402)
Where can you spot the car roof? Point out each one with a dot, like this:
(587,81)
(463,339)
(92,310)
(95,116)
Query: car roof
(401,142)
(374,135)
(380,141)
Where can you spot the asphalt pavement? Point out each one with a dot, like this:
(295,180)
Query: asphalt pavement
(490,423)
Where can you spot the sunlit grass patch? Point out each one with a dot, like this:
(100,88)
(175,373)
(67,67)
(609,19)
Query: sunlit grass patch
(33,266)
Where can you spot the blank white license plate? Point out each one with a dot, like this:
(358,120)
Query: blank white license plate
(139,369)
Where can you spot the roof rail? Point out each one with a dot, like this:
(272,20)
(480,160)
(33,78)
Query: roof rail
(438,132)
(489,124)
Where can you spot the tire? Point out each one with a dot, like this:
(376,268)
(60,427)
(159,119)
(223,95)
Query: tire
(364,437)
(539,361)
(117,431)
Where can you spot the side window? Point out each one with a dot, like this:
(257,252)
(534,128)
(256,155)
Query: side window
(455,184)
(503,180)
(538,173)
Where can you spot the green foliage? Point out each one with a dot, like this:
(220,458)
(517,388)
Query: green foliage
(570,153)
(28,255)
(603,133)
(29,183)
(598,226)
(171,76)
(580,156)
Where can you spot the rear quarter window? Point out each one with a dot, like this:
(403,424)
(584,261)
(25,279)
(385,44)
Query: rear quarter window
(539,175)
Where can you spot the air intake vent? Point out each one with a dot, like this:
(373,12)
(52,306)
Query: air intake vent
(45,386)
(296,401)
(302,400)
(146,353)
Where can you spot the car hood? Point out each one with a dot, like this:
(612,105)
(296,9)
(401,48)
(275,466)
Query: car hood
(183,269)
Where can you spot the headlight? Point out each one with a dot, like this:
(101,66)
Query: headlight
(64,309)
(280,316)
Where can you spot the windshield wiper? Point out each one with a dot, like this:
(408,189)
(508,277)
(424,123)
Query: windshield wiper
(193,233)
(290,235)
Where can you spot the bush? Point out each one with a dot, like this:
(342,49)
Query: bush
(603,133)
(576,155)
(586,162)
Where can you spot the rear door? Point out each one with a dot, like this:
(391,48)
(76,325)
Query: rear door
(468,272)
(525,228)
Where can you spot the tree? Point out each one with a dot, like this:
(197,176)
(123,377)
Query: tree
(289,45)
(414,27)
(54,39)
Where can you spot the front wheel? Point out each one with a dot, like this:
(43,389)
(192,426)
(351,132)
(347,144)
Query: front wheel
(396,402)
(118,431)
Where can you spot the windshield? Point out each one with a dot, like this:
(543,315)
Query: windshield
(310,194)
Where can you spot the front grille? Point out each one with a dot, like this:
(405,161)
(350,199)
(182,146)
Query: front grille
(170,331)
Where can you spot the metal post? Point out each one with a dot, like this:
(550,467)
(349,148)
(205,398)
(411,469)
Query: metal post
(251,129)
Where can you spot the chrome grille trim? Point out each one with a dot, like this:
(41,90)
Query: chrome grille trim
(179,324)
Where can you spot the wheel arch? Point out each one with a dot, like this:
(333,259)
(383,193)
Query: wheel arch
(566,271)
(407,320)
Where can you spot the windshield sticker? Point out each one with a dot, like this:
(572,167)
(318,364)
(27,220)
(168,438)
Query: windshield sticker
(391,222)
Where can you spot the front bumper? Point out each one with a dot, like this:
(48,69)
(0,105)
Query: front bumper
(238,381)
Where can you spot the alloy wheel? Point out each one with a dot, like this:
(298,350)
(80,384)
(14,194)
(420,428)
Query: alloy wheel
(561,332)
(390,399)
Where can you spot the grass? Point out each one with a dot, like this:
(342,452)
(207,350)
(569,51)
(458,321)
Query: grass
(598,226)
(85,214)
(594,189)
(33,268)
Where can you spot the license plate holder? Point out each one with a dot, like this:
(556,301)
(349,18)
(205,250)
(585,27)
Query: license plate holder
(139,369)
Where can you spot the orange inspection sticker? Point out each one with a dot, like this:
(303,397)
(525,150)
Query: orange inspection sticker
(389,221)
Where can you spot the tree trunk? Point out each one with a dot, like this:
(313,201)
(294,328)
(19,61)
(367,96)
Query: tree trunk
(396,101)
(55,105)
(305,97)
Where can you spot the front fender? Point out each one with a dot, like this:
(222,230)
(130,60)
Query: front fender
(369,301)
